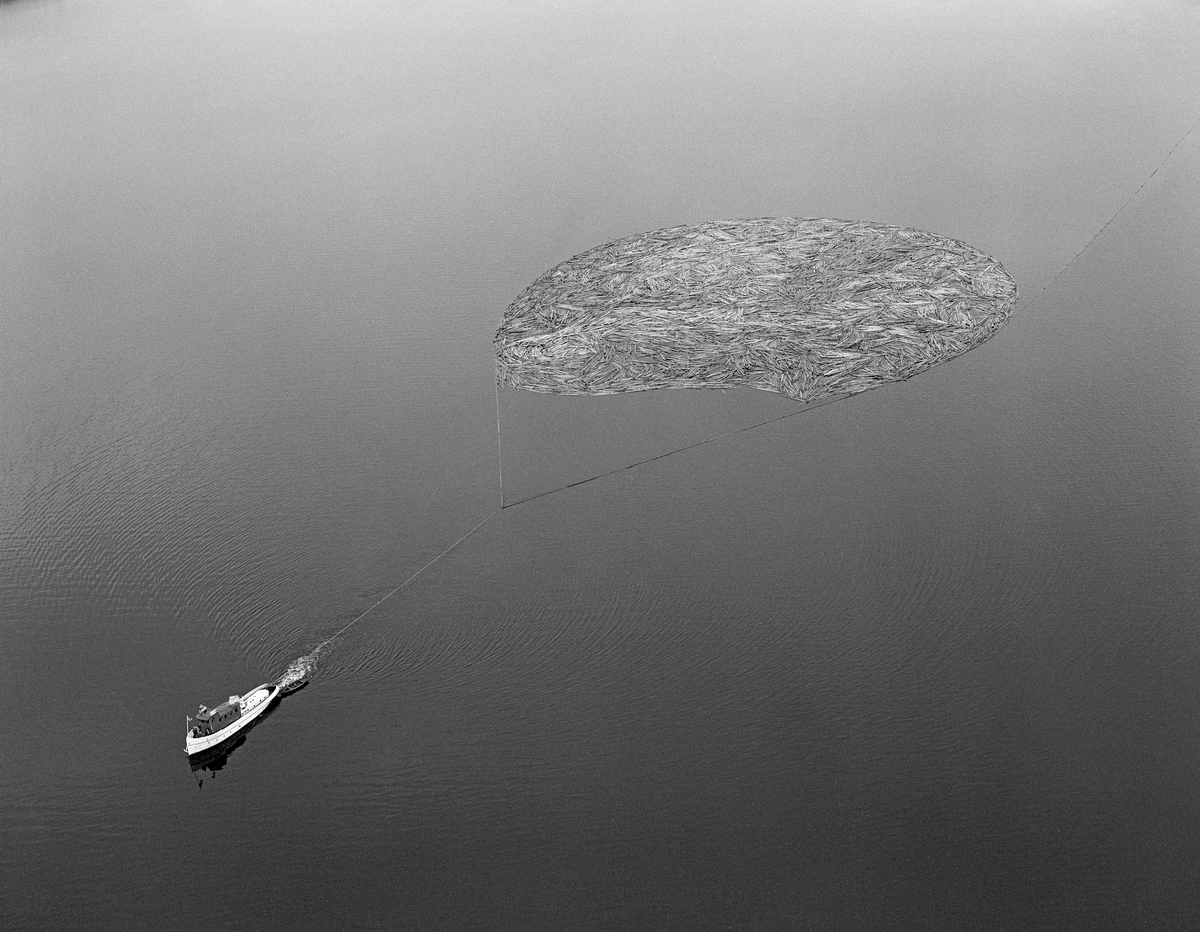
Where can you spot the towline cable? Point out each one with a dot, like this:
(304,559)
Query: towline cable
(342,631)
(691,446)
(1120,210)
(741,430)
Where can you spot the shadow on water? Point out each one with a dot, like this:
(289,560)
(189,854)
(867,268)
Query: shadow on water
(209,761)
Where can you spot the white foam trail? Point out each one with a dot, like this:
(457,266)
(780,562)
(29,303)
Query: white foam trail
(300,669)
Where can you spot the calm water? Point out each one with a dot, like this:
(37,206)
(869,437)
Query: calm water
(925,658)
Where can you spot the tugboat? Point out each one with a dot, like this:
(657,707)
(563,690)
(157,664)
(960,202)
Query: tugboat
(215,726)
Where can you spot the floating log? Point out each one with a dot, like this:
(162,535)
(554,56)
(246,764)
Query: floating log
(807,308)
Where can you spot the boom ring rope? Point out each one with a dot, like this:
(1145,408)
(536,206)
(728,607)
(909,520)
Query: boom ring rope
(809,408)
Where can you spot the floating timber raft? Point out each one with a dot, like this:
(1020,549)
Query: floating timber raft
(807,308)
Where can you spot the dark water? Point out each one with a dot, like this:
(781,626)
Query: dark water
(925,658)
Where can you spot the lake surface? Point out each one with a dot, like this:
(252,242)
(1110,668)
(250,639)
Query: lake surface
(924,658)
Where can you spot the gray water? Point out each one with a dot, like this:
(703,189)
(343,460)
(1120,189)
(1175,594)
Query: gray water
(924,658)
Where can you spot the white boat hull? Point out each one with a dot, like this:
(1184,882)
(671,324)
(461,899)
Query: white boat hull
(254,704)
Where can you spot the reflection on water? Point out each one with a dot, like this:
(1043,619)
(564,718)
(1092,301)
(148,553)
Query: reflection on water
(207,763)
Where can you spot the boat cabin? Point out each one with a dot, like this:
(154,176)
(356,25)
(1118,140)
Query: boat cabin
(210,720)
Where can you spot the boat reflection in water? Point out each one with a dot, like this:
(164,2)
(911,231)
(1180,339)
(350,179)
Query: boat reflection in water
(208,762)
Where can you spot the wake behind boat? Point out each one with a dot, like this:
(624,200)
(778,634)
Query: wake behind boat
(214,726)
